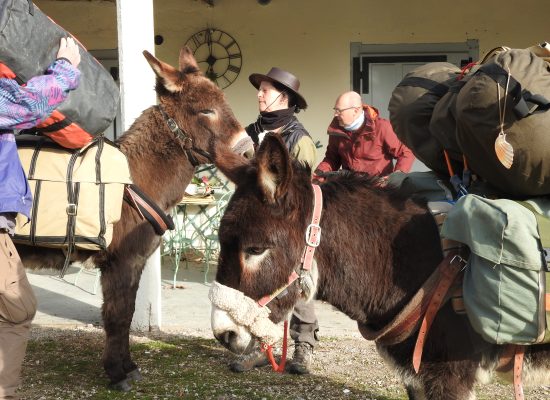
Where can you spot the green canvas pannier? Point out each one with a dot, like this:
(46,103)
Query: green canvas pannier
(506,278)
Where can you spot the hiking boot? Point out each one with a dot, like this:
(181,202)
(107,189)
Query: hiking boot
(301,361)
(249,361)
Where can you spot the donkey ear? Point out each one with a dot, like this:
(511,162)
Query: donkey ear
(274,169)
(168,75)
(188,64)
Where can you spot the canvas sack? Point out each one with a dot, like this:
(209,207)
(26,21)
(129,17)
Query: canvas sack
(77,194)
(411,106)
(29,41)
(519,81)
(443,122)
(506,280)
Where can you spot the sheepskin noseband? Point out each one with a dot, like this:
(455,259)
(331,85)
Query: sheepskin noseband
(245,312)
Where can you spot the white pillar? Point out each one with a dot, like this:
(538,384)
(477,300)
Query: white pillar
(135,34)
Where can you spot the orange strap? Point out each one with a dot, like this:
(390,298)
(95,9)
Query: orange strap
(448,276)
(518,366)
(448,160)
(511,360)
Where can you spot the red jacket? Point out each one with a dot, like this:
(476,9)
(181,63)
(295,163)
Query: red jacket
(370,149)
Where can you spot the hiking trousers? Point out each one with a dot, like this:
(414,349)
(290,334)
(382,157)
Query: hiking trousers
(17,309)
(303,324)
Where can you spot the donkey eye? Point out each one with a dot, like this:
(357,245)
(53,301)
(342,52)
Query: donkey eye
(207,111)
(255,251)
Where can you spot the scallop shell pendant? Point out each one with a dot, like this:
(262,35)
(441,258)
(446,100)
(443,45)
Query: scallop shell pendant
(504,150)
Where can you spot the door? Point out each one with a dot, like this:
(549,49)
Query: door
(383,78)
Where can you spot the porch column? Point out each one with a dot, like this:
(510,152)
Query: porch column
(135,34)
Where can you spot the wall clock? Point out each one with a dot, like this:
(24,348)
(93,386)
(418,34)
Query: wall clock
(218,55)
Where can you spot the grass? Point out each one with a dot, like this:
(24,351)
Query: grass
(66,365)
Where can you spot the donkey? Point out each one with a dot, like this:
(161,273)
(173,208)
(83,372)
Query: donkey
(162,163)
(376,250)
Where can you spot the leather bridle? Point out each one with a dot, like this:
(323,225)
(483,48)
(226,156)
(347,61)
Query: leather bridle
(313,238)
(186,142)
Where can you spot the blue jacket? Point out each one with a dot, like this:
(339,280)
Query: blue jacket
(24,107)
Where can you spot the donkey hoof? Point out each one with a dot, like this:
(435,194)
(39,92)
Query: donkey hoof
(121,386)
(135,375)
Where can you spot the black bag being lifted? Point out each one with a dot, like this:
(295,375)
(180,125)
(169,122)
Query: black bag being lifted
(517,81)
(29,41)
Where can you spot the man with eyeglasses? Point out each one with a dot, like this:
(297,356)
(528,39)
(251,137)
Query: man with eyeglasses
(359,140)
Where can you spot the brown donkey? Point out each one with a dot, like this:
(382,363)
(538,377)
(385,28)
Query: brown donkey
(377,248)
(162,164)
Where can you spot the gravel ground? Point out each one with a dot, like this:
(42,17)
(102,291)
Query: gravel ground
(345,367)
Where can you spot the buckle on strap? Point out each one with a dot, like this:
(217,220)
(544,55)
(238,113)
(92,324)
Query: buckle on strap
(71,209)
(313,235)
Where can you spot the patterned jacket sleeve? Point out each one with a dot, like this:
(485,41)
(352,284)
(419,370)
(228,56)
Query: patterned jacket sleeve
(26,106)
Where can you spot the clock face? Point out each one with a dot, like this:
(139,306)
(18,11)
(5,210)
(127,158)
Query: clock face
(218,55)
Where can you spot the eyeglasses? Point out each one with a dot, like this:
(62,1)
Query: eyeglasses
(339,111)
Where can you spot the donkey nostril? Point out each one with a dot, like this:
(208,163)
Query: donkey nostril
(228,337)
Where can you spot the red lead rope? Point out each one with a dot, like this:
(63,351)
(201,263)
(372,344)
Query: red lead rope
(268,349)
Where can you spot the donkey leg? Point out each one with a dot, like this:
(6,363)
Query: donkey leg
(449,380)
(119,293)
(414,393)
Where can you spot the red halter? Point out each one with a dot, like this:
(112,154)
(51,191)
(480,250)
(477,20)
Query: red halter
(313,238)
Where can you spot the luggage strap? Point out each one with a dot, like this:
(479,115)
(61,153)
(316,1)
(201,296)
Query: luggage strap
(148,209)
(525,102)
(511,359)
(430,85)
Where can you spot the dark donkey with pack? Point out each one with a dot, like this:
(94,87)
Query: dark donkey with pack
(163,146)
(375,258)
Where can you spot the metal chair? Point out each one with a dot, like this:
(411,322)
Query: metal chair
(175,243)
(208,231)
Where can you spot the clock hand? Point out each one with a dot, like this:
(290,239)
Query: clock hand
(224,58)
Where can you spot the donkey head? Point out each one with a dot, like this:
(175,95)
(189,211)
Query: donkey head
(262,236)
(198,107)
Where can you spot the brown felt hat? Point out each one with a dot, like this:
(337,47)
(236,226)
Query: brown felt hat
(283,77)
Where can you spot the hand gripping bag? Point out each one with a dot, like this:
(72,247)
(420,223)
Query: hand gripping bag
(29,41)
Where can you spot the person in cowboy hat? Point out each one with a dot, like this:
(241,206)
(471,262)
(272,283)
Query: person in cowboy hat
(278,101)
